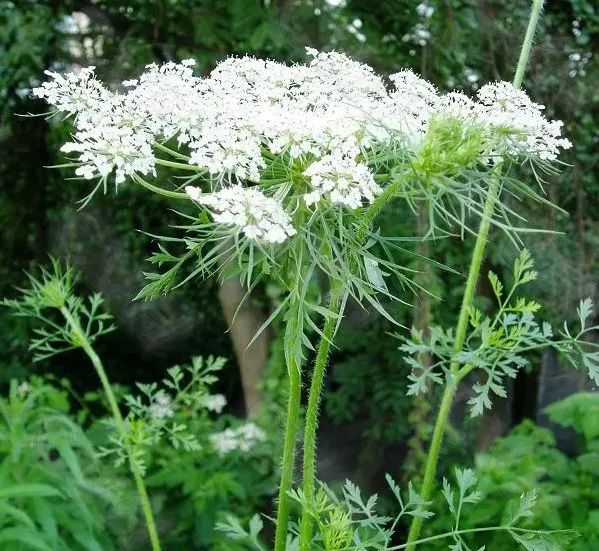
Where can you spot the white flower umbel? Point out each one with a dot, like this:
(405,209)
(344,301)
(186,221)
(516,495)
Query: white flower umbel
(341,180)
(161,406)
(517,123)
(103,145)
(456,105)
(259,217)
(73,92)
(250,111)
(168,99)
(214,402)
(242,439)
(226,149)
(410,106)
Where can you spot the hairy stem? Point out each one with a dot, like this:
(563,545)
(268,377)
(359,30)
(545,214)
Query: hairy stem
(533,21)
(119,422)
(432,459)
(473,274)
(309,462)
(293,411)
(293,354)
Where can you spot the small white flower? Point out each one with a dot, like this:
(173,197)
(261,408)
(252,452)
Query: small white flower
(259,217)
(425,10)
(214,402)
(243,438)
(517,124)
(73,92)
(161,406)
(23,389)
(341,180)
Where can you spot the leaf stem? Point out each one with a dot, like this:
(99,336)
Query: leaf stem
(309,462)
(533,21)
(473,274)
(465,531)
(119,422)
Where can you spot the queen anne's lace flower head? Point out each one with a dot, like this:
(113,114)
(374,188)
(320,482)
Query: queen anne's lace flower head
(456,105)
(259,217)
(411,105)
(167,100)
(328,112)
(73,92)
(519,127)
(341,180)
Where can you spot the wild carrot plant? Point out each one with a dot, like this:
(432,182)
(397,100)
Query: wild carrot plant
(285,170)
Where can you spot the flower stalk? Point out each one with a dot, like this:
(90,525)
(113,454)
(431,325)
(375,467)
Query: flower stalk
(455,376)
(309,461)
(81,337)
(293,357)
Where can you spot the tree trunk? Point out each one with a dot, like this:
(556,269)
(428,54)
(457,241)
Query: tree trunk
(242,328)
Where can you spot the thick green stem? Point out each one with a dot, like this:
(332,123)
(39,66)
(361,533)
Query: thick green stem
(309,463)
(293,410)
(119,422)
(477,257)
(292,345)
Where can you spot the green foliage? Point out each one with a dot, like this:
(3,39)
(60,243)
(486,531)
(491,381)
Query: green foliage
(497,345)
(51,496)
(352,521)
(378,390)
(566,488)
(175,435)
(83,321)
(150,421)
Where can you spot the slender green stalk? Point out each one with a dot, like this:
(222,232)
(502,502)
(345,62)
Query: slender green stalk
(450,388)
(309,463)
(160,191)
(172,152)
(287,467)
(181,166)
(119,422)
(462,325)
(533,21)
(511,529)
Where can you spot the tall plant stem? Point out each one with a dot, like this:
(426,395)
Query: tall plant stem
(120,425)
(309,462)
(297,277)
(453,379)
(287,467)
(473,274)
